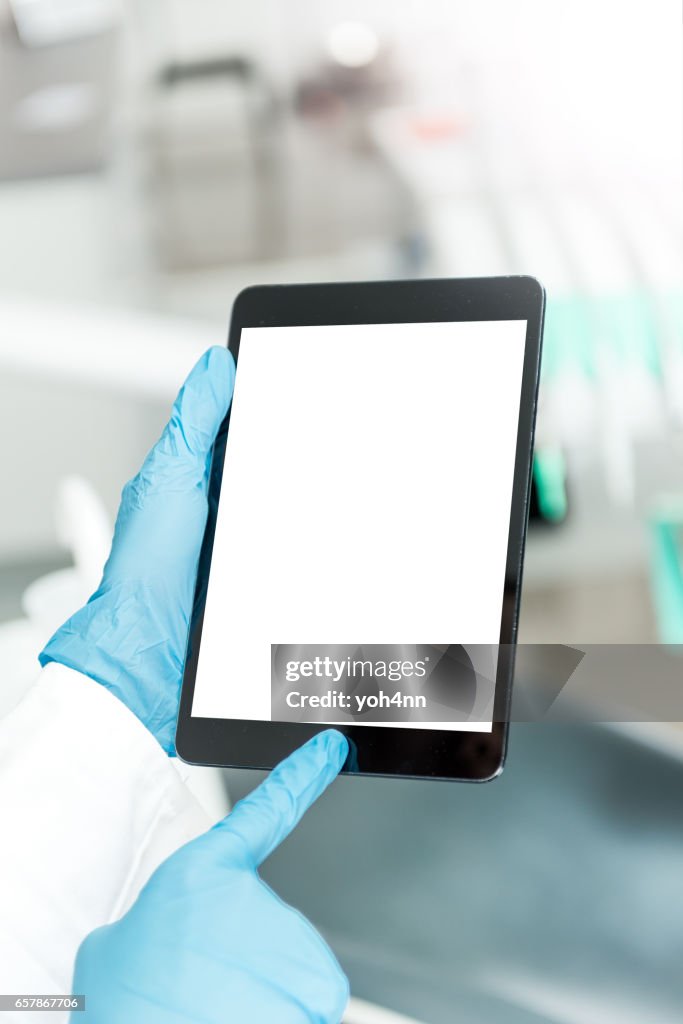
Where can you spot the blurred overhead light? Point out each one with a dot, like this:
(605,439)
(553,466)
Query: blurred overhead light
(353,44)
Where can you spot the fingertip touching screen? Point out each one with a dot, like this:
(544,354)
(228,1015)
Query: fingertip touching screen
(364,511)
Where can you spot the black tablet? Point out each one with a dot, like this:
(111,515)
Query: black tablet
(368,494)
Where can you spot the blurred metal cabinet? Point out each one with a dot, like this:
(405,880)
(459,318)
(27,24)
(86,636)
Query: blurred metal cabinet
(57,79)
(209,145)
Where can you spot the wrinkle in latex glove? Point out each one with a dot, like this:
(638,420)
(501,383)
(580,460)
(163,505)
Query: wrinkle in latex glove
(132,633)
(207,941)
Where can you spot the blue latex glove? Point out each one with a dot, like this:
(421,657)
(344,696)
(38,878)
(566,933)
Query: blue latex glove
(207,942)
(132,633)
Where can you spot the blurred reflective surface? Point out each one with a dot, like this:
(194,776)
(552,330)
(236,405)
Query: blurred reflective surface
(552,896)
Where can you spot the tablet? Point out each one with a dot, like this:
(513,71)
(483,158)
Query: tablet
(368,495)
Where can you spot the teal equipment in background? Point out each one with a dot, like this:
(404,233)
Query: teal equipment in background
(591,336)
(550,478)
(666,569)
(582,332)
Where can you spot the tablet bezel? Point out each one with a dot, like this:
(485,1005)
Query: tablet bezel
(380,750)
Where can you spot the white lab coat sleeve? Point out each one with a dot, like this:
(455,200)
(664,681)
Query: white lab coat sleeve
(90,805)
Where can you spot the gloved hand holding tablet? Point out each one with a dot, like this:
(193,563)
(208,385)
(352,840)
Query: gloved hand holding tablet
(131,635)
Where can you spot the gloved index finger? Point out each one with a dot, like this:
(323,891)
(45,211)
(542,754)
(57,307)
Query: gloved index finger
(267,816)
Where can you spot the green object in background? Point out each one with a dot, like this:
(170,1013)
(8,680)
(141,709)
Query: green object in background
(550,477)
(568,338)
(585,333)
(666,569)
(594,335)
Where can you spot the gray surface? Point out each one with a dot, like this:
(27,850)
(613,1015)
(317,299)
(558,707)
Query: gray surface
(553,894)
(16,576)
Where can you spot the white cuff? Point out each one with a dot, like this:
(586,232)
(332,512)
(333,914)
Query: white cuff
(91,805)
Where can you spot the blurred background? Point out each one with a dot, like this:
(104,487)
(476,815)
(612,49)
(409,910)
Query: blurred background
(158,156)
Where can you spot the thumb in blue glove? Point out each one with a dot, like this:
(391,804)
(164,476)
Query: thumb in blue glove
(132,633)
(207,941)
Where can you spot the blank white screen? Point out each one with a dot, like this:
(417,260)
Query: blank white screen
(365,498)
